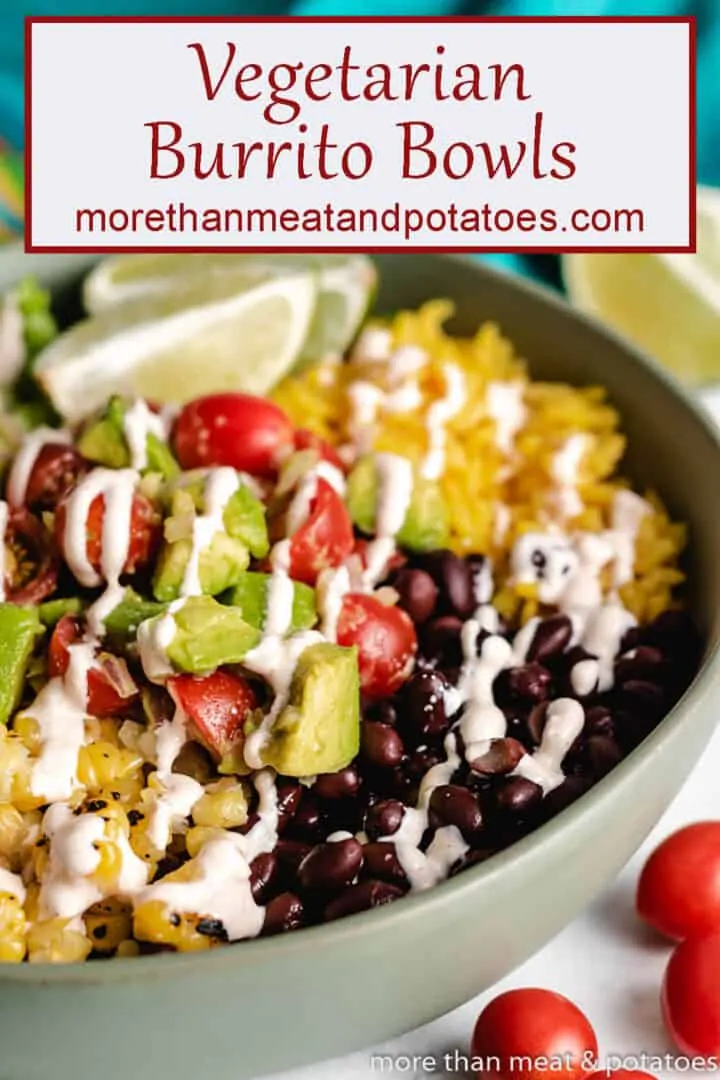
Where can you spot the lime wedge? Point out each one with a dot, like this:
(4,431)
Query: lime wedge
(206,335)
(667,304)
(346,286)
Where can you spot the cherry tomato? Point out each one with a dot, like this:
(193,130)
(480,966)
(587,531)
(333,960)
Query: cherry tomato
(31,567)
(386,641)
(216,705)
(325,539)
(679,888)
(396,560)
(57,468)
(548,1032)
(104,697)
(145,532)
(691,996)
(308,440)
(245,432)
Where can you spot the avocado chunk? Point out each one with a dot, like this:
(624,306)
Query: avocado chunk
(250,595)
(104,442)
(133,609)
(52,611)
(19,626)
(223,561)
(425,527)
(207,636)
(318,731)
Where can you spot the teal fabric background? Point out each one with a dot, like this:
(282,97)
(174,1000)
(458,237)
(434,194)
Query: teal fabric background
(707,13)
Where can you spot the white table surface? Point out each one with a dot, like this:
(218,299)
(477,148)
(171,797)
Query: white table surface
(605,961)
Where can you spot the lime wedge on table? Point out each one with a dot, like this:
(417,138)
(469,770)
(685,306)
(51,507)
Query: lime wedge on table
(667,304)
(218,333)
(346,286)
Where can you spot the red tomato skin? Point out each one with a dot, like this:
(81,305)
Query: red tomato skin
(57,469)
(325,539)
(103,698)
(536,1024)
(145,532)
(679,888)
(691,996)
(239,430)
(308,440)
(216,705)
(386,641)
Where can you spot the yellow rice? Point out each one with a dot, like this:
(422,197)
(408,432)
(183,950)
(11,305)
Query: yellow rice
(477,476)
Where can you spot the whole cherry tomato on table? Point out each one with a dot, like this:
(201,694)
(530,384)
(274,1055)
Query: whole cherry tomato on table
(325,539)
(386,641)
(691,996)
(679,889)
(537,1026)
(216,706)
(104,697)
(245,432)
(145,532)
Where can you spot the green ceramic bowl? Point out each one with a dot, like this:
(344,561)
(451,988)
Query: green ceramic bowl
(271,1004)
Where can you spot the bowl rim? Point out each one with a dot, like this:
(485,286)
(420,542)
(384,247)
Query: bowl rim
(422,905)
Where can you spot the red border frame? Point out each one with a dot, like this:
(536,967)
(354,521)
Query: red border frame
(688,20)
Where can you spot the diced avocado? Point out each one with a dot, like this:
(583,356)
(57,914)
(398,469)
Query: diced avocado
(250,596)
(209,635)
(425,527)
(318,731)
(123,620)
(223,562)
(51,612)
(104,442)
(19,626)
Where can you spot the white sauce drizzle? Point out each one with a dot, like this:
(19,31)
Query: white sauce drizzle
(27,455)
(299,509)
(12,884)
(563,724)
(4,514)
(220,486)
(154,637)
(365,399)
(116,487)
(394,494)
(505,405)
(438,416)
(481,719)
(565,470)
(139,422)
(332,587)
(373,345)
(626,517)
(584,677)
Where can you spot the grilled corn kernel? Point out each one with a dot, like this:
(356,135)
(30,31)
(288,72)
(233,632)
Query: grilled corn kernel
(12,834)
(28,731)
(103,767)
(155,922)
(108,924)
(52,942)
(13,930)
(223,806)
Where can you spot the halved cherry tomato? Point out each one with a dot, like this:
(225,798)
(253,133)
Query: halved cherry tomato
(245,432)
(679,888)
(386,641)
(57,468)
(535,1031)
(104,698)
(691,996)
(325,539)
(31,565)
(216,705)
(308,440)
(145,532)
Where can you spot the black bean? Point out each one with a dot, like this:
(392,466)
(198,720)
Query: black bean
(381,745)
(568,792)
(600,754)
(383,711)
(384,818)
(536,722)
(289,793)
(381,862)
(471,858)
(264,871)
(643,695)
(422,705)
(421,761)
(646,663)
(440,640)
(340,785)
(454,578)
(418,594)
(284,912)
(528,684)
(501,756)
(518,795)
(451,804)
(331,865)
(599,721)
(309,820)
(551,638)
(362,897)
(291,853)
